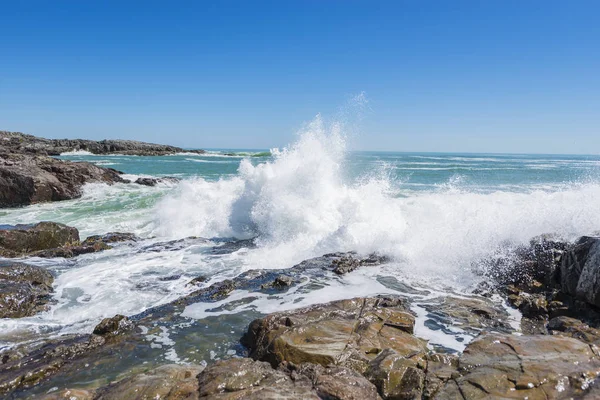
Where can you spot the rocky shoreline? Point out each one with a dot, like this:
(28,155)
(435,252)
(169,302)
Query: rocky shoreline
(29,175)
(360,348)
(17,142)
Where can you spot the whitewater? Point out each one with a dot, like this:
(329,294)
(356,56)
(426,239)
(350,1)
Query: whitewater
(436,216)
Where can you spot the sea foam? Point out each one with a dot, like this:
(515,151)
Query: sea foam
(302,204)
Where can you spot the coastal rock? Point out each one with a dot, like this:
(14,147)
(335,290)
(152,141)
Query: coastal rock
(17,142)
(497,366)
(24,289)
(117,325)
(27,368)
(396,376)
(27,179)
(580,270)
(167,382)
(471,314)
(156,181)
(23,239)
(347,333)
(243,378)
(109,238)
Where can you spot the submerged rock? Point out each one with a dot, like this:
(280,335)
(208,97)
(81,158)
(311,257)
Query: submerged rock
(20,240)
(24,289)
(497,366)
(27,179)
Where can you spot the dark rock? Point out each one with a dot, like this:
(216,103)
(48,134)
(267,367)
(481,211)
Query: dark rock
(580,270)
(42,362)
(168,382)
(20,240)
(156,181)
(114,326)
(348,333)
(243,378)
(231,247)
(24,289)
(146,181)
(109,238)
(496,366)
(349,263)
(16,142)
(27,179)
(574,328)
(280,282)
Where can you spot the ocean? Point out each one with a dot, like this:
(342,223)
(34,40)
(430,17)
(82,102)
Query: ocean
(435,215)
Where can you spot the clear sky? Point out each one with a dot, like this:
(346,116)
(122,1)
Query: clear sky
(472,76)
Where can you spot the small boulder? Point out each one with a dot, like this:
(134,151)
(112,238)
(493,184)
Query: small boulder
(114,326)
(21,240)
(24,290)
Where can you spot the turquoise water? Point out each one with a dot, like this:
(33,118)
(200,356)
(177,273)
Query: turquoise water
(435,215)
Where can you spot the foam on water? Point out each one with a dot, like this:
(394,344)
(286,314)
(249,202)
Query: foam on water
(301,205)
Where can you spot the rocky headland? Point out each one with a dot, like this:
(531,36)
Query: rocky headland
(17,142)
(28,173)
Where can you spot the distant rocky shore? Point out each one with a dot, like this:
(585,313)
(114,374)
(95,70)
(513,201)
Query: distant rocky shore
(28,173)
(17,142)
(361,348)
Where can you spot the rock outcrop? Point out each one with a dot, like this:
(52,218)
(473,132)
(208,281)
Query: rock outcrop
(17,142)
(27,179)
(348,333)
(51,239)
(18,240)
(244,378)
(24,289)
(496,366)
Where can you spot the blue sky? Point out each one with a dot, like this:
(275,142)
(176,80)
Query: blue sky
(467,76)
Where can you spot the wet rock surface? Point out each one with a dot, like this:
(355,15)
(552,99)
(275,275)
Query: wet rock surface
(156,181)
(168,382)
(347,349)
(348,333)
(244,378)
(516,367)
(17,142)
(24,289)
(51,240)
(18,240)
(28,179)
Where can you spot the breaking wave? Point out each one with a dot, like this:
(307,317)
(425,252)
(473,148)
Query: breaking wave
(303,204)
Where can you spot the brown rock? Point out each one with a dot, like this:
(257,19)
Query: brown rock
(20,240)
(168,382)
(27,179)
(496,366)
(348,333)
(243,378)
